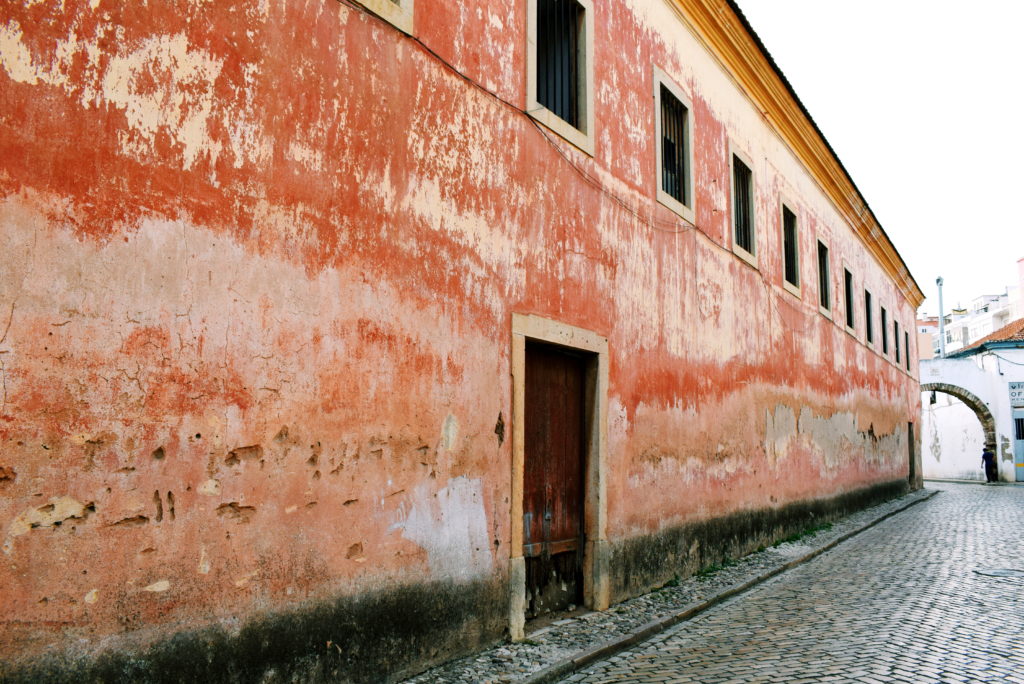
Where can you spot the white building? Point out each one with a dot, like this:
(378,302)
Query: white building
(974,398)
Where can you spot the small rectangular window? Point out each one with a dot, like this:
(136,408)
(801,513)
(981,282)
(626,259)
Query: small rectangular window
(896,339)
(848,288)
(906,349)
(559,68)
(673,147)
(885,331)
(824,293)
(675,155)
(559,24)
(869,319)
(790,251)
(742,205)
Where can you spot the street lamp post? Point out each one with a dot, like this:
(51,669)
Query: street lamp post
(942,322)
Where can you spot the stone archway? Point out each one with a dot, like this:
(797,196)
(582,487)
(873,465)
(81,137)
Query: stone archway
(988,423)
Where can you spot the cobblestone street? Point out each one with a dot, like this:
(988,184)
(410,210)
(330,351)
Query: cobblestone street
(901,602)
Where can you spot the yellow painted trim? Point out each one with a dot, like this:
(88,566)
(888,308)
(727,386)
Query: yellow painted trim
(724,35)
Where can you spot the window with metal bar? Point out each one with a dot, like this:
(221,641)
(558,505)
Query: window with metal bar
(675,143)
(1019,422)
(896,339)
(790,252)
(906,349)
(869,319)
(742,205)
(885,331)
(559,66)
(824,288)
(848,292)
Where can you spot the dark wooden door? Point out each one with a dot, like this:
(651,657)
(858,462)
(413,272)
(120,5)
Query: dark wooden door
(553,478)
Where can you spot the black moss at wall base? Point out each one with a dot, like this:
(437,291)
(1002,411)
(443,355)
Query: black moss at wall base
(643,563)
(374,637)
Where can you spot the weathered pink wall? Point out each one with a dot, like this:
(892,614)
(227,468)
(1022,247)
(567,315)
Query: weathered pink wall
(259,266)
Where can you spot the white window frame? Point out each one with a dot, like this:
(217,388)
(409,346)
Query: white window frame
(785,203)
(749,257)
(583,139)
(397,12)
(684,210)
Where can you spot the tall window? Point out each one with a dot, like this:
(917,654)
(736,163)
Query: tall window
(560,70)
(790,251)
(742,205)
(896,339)
(559,24)
(673,147)
(675,155)
(824,293)
(885,332)
(869,319)
(848,292)
(906,349)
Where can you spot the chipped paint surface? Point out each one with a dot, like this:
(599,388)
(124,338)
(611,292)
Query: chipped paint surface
(260,265)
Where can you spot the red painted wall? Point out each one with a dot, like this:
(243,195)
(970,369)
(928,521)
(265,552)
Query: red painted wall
(259,266)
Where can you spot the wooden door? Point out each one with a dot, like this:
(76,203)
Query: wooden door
(553,490)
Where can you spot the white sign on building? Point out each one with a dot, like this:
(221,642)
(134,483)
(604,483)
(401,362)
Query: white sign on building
(1017,394)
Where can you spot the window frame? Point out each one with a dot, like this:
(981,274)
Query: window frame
(884,320)
(869,318)
(850,308)
(582,139)
(748,256)
(826,312)
(398,13)
(785,205)
(687,211)
(896,342)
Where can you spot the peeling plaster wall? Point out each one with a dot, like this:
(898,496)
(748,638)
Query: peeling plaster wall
(260,264)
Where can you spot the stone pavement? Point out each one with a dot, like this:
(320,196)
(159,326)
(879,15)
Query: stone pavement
(901,602)
(571,643)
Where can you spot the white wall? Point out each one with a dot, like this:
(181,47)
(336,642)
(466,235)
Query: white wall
(987,376)
(951,439)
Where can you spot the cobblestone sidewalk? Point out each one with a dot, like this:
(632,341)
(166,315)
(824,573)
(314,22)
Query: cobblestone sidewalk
(570,644)
(933,595)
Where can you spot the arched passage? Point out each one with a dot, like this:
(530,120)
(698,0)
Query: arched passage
(988,423)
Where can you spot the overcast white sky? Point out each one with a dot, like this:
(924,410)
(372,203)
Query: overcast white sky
(923,101)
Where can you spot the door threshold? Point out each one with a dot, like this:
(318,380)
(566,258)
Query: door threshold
(542,623)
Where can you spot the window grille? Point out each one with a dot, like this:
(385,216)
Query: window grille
(885,332)
(789,247)
(674,152)
(1019,422)
(824,294)
(742,205)
(869,319)
(848,291)
(559,25)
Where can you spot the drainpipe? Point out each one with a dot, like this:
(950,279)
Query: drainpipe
(942,322)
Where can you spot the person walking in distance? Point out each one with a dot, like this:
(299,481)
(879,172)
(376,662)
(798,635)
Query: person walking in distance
(988,461)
